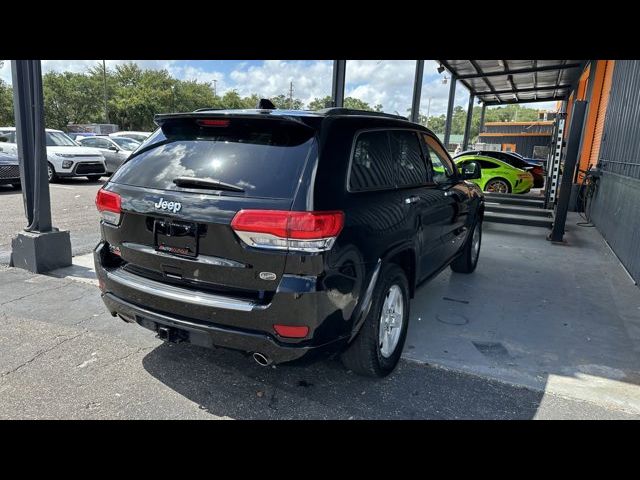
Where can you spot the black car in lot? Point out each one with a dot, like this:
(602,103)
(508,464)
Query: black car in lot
(534,167)
(284,233)
(9,170)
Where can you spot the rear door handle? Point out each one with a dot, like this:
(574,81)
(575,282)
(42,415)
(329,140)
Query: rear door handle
(410,200)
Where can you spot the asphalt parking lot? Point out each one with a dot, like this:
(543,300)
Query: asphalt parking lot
(64,356)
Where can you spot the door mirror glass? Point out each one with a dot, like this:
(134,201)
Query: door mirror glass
(113,148)
(471,170)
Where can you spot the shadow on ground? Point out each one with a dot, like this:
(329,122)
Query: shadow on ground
(228,383)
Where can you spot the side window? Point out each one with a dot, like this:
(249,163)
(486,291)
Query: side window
(484,164)
(441,165)
(371,166)
(102,143)
(88,142)
(406,154)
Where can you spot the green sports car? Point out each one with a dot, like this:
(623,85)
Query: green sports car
(498,176)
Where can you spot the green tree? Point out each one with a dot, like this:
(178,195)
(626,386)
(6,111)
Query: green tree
(319,103)
(6,104)
(349,102)
(282,101)
(70,98)
(231,99)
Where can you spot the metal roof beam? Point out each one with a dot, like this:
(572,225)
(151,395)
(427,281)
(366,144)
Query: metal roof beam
(487,82)
(517,71)
(524,90)
(504,102)
(510,79)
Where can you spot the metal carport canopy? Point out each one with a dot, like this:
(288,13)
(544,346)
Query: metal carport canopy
(501,82)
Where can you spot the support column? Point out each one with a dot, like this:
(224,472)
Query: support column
(40,247)
(484,107)
(467,125)
(452,96)
(337,87)
(417,91)
(570,162)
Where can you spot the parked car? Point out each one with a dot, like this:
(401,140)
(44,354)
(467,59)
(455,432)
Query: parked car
(115,150)
(285,233)
(534,167)
(138,136)
(498,176)
(78,135)
(65,158)
(9,170)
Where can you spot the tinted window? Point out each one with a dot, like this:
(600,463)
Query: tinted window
(59,139)
(125,143)
(371,166)
(442,167)
(102,143)
(264,157)
(405,151)
(484,164)
(515,162)
(88,142)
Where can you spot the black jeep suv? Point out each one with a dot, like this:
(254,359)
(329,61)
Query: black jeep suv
(282,233)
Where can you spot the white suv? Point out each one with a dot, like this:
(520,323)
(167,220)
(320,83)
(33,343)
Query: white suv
(65,158)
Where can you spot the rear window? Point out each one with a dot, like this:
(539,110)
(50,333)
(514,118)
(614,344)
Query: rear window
(263,157)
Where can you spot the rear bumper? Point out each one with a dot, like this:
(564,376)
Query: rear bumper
(523,185)
(208,335)
(210,320)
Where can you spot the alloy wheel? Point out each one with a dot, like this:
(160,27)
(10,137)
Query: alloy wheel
(391,319)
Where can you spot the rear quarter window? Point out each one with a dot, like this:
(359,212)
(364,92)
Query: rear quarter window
(371,163)
(264,157)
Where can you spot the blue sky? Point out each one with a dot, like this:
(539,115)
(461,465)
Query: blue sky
(386,82)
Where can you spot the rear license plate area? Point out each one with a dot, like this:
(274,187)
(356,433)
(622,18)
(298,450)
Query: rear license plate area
(176,237)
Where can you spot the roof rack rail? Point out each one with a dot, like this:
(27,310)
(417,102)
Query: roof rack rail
(353,111)
(204,109)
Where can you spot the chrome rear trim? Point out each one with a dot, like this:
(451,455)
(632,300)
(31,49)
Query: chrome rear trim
(172,292)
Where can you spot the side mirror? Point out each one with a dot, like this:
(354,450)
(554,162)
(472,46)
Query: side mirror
(471,171)
(3,139)
(114,148)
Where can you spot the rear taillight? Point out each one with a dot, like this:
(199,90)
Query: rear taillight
(108,204)
(284,230)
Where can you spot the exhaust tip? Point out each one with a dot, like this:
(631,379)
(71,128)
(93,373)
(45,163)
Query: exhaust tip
(261,359)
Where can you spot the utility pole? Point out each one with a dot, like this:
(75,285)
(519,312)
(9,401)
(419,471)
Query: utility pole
(215,88)
(291,95)
(104,78)
(428,110)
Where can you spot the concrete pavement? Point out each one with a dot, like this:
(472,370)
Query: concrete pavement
(63,356)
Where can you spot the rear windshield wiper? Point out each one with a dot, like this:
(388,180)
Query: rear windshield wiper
(192,182)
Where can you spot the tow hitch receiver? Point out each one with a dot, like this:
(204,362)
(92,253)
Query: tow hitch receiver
(169,335)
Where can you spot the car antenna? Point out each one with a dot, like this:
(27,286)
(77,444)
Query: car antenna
(265,104)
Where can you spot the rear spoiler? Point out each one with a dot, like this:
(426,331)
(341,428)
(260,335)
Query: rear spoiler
(164,118)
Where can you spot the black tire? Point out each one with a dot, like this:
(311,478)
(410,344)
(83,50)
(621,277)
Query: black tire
(94,178)
(51,173)
(498,180)
(468,260)
(363,356)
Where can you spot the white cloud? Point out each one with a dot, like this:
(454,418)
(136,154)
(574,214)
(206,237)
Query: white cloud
(310,79)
